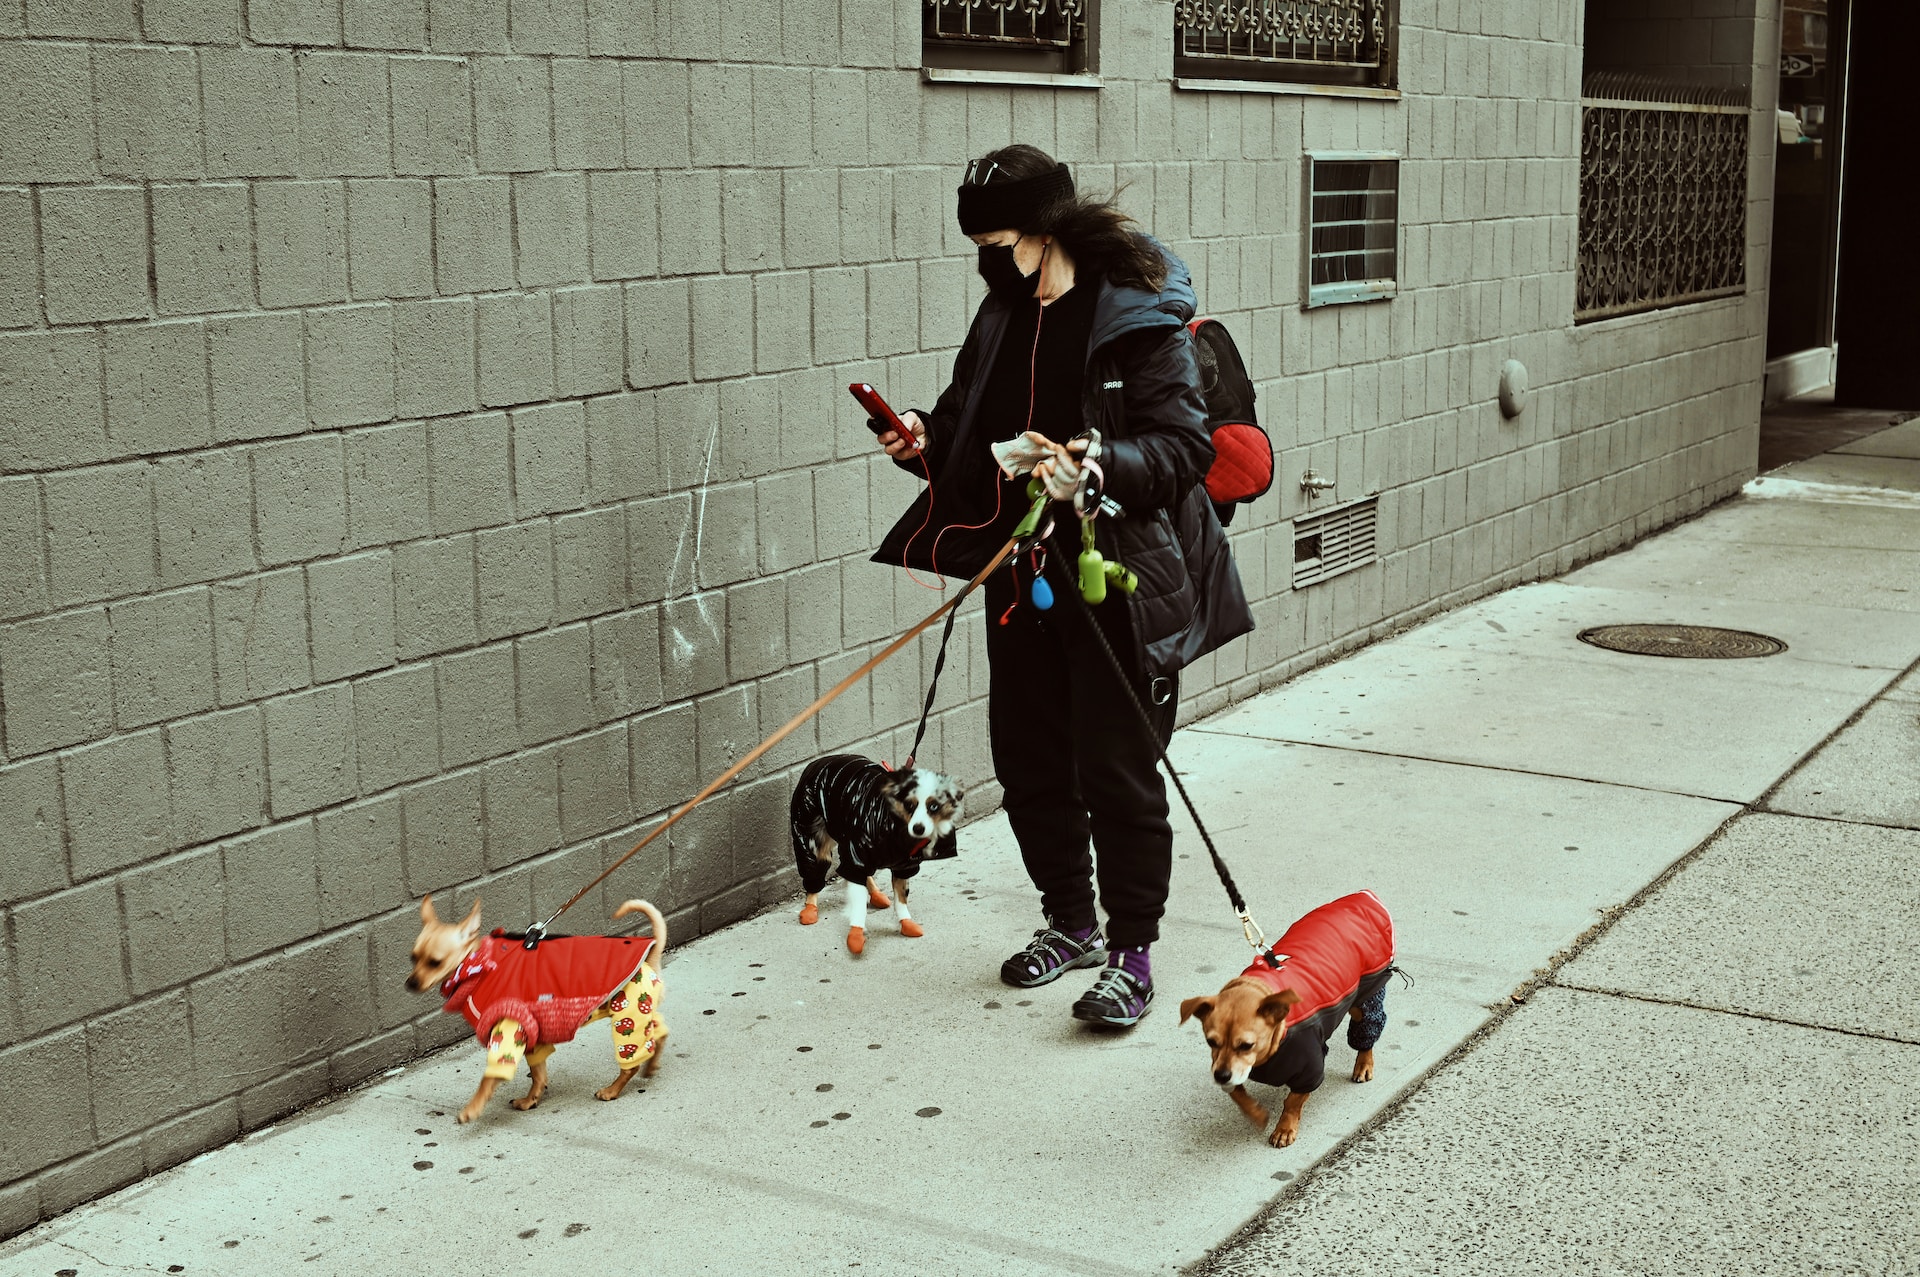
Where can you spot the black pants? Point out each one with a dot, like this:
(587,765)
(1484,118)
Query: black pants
(1082,789)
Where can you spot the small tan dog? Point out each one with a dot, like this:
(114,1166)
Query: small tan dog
(1272,1022)
(524,1000)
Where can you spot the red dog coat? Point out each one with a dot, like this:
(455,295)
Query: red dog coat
(1333,957)
(550,990)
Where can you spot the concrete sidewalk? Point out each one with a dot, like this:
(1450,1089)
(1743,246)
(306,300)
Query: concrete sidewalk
(1722,1081)
(1504,787)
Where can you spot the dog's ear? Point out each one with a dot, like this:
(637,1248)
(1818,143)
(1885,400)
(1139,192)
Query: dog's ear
(1273,1007)
(1202,1007)
(470,925)
(428,914)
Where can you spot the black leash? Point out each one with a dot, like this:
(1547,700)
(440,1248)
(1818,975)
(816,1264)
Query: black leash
(1026,534)
(933,687)
(1248,927)
(1255,936)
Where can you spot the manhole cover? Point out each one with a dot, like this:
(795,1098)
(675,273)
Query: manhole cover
(1698,641)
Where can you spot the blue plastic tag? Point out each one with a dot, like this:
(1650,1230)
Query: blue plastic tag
(1042,593)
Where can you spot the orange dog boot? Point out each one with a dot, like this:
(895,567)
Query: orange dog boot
(911,929)
(809,914)
(878,901)
(856,939)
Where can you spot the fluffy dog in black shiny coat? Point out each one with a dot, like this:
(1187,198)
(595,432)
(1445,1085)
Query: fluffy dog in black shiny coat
(851,814)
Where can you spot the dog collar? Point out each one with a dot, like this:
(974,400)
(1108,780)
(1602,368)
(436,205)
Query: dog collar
(914,851)
(476,963)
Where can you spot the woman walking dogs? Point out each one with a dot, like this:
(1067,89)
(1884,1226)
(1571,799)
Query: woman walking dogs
(1080,345)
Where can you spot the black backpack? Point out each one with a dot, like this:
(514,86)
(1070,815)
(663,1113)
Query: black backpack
(1243,455)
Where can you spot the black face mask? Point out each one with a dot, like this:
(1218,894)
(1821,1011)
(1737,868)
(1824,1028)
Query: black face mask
(1003,276)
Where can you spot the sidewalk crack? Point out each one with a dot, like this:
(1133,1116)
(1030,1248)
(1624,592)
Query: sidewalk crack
(1861,821)
(1734,1011)
(1460,762)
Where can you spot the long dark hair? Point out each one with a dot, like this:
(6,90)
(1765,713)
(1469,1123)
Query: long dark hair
(1094,231)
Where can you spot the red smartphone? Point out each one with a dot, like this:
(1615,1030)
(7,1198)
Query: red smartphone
(881,417)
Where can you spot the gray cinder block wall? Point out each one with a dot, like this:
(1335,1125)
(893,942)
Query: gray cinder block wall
(1696,41)
(424,458)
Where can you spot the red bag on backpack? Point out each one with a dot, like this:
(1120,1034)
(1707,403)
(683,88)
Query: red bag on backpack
(1243,455)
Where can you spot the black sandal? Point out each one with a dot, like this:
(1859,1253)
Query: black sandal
(1117,999)
(1051,954)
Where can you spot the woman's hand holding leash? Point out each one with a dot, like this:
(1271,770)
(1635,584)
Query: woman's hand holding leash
(1061,473)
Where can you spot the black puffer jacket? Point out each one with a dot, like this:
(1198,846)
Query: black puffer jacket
(1142,395)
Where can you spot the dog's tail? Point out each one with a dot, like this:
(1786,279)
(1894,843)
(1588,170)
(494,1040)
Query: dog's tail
(659,954)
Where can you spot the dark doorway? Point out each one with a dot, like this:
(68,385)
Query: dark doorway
(1879,252)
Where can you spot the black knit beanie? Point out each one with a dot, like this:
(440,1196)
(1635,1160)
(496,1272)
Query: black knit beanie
(999,206)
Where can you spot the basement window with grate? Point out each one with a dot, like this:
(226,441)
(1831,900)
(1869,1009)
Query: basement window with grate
(1353,227)
(1663,194)
(1335,44)
(973,40)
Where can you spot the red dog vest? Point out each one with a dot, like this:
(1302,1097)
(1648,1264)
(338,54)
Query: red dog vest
(1326,954)
(550,990)
(1328,958)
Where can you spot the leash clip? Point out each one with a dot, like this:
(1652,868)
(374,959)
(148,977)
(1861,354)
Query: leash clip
(535,934)
(1257,939)
(1251,930)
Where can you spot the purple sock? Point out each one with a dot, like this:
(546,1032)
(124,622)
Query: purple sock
(1134,961)
(1080,934)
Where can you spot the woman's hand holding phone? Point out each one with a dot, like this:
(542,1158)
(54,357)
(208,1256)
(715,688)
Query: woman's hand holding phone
(887,425)
(900,449)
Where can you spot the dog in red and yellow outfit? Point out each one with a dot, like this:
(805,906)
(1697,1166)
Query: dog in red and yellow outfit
(524,1001)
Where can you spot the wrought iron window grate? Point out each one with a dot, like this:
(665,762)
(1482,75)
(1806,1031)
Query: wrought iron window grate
(1335,541)
(1663,195)
(1052,24)
(1307,41)
(1353,228)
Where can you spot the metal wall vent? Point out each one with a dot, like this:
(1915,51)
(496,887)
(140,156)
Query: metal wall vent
(1334,541)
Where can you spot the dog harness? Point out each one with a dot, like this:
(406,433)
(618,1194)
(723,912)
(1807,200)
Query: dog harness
(1338,955)
(549,991)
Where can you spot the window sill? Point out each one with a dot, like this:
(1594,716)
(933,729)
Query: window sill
(1732,299)
(1037,79)
(1193,84)
(1372,290)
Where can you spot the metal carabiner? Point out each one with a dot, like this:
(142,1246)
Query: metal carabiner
(1251,930)
(1087,498)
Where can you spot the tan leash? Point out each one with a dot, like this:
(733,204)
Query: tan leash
(537,933)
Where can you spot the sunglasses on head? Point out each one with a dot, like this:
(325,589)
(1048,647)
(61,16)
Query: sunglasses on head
(975,176)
